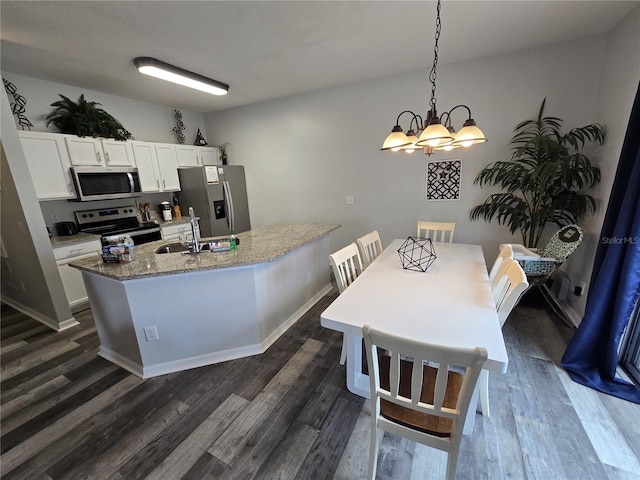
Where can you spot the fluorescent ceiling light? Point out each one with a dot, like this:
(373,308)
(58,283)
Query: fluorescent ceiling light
(170,73)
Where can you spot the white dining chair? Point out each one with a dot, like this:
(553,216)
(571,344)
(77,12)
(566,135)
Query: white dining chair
(346,265)
(510,287)
(499,279)
(425,399)
(436,231)
(370,247)
(505,252)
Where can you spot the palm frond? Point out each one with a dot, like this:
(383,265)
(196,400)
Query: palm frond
(544,178)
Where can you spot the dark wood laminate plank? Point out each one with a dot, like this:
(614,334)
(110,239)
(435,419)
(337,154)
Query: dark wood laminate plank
(59,411)
(394,457)
(502,446)
(288,456)
(234,439)
(31,397)
(355,457)
(143,463)
(104,465)
(26,380)
(20,365)
(185,455)
(149,427)
(45,437)
(99,431)
(326,452)
(266,444)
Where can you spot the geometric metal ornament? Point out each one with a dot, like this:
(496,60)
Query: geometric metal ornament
(417,254)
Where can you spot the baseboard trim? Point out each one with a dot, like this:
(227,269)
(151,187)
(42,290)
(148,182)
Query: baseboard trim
(284,326)
(45,320)
(562,308)
(211,358)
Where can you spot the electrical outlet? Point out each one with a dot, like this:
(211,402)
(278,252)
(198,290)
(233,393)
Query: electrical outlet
(151,333)
(578,290)
(55,218)
(351,200)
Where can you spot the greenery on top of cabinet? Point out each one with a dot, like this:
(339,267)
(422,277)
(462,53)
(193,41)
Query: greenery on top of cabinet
(85,119)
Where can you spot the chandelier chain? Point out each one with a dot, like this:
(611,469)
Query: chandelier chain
(432,75)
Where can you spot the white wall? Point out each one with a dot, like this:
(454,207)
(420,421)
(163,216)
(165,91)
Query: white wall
(146,121)
(304,154)
(618,82)
(30,278)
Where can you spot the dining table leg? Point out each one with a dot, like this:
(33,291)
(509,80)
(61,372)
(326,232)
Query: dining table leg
(357,380)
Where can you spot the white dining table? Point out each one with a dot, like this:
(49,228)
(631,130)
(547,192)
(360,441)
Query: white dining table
(450,304)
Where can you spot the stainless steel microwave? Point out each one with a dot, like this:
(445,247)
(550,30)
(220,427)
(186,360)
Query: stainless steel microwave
(105,183)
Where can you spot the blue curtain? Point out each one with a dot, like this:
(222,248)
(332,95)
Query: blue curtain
(591,357)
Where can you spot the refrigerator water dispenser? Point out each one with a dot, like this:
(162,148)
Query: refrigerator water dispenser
(218,209)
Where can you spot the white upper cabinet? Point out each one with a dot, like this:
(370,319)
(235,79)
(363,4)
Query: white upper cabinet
(208,155)
(99,151)
(194,156)
(48,163)
(168,167)
(117,152)
(157,166)
(144,154)
(187,155)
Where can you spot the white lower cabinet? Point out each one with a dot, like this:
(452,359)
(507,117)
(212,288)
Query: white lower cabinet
(72,277)
(48,162)
(179,231)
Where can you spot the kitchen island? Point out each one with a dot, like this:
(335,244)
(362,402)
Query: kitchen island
(163,313)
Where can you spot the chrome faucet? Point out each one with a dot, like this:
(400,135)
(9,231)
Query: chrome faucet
(195,244)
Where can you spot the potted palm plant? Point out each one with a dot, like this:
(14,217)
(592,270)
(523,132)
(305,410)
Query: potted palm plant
(84,119)
(222,149)
(545,179)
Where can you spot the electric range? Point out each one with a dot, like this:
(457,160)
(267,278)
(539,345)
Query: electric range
(117,221)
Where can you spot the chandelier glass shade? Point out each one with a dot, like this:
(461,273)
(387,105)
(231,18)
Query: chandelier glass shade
(433,134)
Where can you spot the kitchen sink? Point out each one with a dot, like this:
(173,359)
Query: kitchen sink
(178,248)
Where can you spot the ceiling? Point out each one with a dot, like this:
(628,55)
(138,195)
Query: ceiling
(272,49)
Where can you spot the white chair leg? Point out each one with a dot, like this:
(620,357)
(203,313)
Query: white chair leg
(373,451)
(343,353)
(484,393)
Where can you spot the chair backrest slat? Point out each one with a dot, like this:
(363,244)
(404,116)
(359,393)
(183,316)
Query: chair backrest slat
(370,247)
(444,357)
(436,231)
(515,284)
(505,252)
(346,265)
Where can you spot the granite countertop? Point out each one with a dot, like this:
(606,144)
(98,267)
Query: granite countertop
(263,244)
(59,241)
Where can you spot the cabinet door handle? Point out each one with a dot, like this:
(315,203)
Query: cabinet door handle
(164,184)
(106,156)
(157,183)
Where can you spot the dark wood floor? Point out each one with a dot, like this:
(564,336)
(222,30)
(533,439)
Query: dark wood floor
(69,414)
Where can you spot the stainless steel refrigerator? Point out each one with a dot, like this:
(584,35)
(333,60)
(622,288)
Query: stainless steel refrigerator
(218,195)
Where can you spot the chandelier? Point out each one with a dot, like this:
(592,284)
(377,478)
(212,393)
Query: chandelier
(433,133)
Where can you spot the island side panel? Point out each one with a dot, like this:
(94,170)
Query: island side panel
(289,286)
(201,318)
(114,321)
